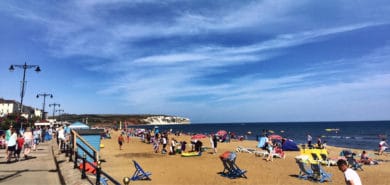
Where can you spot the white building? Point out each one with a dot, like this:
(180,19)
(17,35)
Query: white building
(12,106)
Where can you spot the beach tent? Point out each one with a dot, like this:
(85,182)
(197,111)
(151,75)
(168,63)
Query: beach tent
(221,133)
(262,142)
(78,125)
(289,145)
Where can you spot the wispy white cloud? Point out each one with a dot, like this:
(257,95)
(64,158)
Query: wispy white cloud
(151,74)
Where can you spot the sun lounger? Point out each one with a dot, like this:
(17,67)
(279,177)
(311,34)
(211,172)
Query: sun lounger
(244,149)
(139,173)
(262,153)
(320,159)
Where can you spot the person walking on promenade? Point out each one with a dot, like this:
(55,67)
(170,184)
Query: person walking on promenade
(28,142)
(36,138)
(120,141)
(7,136)
(61,139)
(43,133)
(351,177)
(11,144)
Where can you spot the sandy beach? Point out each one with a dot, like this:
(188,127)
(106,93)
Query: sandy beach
(203,170)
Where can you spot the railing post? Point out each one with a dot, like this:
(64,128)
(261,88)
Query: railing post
(75,160)
(70,152)
(83,175)
(98,169)
(126,180)
(66,149)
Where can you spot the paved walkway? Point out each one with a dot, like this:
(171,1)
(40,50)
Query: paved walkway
(44,166)
(37,169)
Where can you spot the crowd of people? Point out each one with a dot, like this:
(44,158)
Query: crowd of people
(161,143)
(23,141)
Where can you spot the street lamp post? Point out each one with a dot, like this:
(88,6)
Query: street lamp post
(54,107)
(44,103)
(24,67)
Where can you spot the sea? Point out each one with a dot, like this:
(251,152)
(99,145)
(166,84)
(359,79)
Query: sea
(352,134)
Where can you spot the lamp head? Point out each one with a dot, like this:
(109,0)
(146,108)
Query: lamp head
(11,68)
(38,69)
(51,96)
(37,95)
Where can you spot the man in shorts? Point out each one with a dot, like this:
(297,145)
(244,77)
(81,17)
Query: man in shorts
(351,177)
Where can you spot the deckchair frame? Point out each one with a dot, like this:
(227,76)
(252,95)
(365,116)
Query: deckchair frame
(231,169)
(353,163)
(139,173)
(319,173)
(304,172)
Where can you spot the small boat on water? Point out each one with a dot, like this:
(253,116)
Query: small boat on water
(332,129)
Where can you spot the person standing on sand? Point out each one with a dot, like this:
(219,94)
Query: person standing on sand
(351,177)
(382,146)
(164,139)
(128,136)
(309,139)
(319,142)
(270,149)
(212,142)
(215,143)
(155,144)
(120,141)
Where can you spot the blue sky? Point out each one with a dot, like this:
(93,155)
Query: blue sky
(211,61)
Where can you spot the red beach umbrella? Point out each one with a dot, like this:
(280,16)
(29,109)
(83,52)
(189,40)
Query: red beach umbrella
(274,136)
(221,132)
(198,136)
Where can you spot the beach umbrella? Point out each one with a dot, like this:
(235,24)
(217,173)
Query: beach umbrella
(198,136)
(274,136)
(221,132)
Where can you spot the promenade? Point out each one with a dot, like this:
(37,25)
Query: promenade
(43,166)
